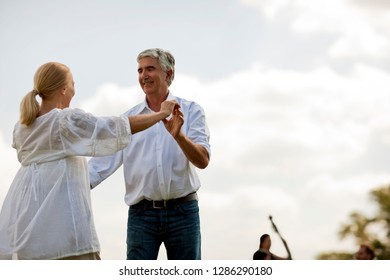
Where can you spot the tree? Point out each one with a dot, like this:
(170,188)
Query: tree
(370,230)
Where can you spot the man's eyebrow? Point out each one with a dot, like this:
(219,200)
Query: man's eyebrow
(146,67)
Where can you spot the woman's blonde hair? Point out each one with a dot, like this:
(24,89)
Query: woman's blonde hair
(49,78)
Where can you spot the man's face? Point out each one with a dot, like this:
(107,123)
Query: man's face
(266,244)
(152,79)
(362,254)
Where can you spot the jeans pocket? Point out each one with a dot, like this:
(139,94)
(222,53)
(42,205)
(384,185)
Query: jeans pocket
(189,207)
(133,212)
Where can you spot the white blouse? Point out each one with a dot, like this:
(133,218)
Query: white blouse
(47,212)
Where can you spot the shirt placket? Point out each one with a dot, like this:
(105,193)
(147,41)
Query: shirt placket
(159,161)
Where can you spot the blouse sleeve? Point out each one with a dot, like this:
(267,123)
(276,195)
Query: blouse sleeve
(84,134)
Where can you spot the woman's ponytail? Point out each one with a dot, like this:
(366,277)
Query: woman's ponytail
(29,108)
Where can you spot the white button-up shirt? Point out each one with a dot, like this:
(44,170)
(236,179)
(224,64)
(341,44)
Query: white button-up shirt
(154,166)
(47,211)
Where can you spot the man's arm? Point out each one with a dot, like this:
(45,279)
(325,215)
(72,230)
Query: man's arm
(195,153)
(100,168)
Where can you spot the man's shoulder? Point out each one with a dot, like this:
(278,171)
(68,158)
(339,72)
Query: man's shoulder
(259,255)
(135,110)
(183,100)
(188,104)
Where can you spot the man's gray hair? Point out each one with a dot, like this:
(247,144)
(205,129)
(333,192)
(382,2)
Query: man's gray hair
(165,59)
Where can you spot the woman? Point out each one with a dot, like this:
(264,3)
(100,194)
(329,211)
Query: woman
(47,212)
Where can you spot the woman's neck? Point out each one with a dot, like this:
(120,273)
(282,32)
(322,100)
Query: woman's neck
(48,105)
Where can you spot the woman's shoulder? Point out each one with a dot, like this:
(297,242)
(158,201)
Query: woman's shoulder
(74,114)
(72,111)
(70,117)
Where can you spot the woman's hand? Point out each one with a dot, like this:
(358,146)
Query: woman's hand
(168,106)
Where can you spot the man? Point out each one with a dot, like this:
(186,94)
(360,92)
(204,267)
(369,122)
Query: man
(365,252)
(263,253)
(161,182)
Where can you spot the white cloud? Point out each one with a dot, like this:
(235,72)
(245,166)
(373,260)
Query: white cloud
(362,40)
(357,31)
(320,113)
(358,184)
(255,197)
(111,99)
(269,8)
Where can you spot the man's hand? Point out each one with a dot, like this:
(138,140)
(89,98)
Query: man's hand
(195,153)
(174,124)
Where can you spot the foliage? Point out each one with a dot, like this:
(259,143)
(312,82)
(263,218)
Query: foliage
(374,231)
(335,256)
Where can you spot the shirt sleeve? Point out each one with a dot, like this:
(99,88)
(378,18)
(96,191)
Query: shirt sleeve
(84,134)
(198,130)
(100,168)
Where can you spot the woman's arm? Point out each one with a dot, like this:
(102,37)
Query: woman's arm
(142,122)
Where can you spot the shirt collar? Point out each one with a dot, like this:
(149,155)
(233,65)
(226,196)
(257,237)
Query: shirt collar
(144,107)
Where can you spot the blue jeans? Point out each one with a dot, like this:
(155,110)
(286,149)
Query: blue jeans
(178,228)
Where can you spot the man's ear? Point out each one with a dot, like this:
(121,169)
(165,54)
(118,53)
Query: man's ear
(169,74)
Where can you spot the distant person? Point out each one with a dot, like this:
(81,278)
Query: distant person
(162,182)
(264,253)
(365,252)
(47,211)
(261,255)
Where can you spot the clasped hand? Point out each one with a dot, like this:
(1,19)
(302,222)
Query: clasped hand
(174,124)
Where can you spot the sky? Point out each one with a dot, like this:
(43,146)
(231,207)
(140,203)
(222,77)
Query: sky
(296,95)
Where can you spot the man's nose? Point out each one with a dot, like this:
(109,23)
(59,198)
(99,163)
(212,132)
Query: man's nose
(144,75)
